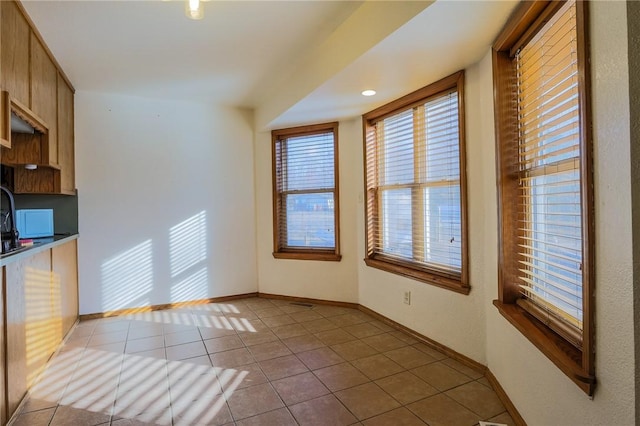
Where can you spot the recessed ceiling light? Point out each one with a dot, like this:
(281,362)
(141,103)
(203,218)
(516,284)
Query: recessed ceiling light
(194,9)
(368,92)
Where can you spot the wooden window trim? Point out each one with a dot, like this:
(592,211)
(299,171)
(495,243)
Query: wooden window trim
(408,269)
(527,19)
(321,254)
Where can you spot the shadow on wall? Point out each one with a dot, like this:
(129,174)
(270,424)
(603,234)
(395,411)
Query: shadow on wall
(127,278)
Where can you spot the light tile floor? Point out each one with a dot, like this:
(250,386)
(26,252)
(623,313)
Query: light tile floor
(259,362)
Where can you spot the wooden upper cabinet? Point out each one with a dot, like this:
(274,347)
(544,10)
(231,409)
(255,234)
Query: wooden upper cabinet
(44,92)
(34,85)
(5,119)
(66,152)
(14,62)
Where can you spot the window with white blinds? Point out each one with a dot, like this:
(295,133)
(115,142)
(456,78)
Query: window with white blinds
(550,222)
(545,191)
(415,219)
(305,192)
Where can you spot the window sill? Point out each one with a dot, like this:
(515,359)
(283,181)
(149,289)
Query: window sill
(564,355)
(421,275)
(328,256)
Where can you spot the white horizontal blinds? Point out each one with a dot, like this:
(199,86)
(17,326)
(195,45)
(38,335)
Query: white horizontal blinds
(550,222)
(441,184)
(395,183)
(418,166)
(371,152)
(307,191)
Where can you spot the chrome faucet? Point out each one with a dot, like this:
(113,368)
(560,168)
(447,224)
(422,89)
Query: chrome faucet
(12,242)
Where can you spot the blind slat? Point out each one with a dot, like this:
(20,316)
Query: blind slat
(556,282)
(537,287)
(556,265)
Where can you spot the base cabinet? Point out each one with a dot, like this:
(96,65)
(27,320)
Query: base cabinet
(30,329)
(64,263)
(43,294)
(66,149)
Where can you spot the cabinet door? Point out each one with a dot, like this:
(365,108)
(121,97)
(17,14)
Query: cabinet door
(32,332)
(43,180)
(44,92)
(66,151)
(5,119)
(14,63)
(65,283)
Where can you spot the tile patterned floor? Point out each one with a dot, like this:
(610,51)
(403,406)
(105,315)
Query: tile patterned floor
(254,362)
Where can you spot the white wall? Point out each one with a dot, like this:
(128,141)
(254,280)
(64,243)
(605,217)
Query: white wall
(166,201)
(543,395)
(311,278)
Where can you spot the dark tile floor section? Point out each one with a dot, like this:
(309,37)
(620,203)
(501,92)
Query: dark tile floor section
(254,362)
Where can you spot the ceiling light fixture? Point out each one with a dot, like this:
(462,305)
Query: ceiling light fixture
(368,92)
(194,9)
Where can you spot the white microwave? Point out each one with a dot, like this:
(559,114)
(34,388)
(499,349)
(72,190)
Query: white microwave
(34,223)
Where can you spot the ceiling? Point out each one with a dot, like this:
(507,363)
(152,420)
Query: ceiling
(292,62)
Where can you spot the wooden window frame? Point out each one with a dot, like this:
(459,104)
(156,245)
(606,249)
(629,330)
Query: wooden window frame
(528,18)
(281,251)
(406,268)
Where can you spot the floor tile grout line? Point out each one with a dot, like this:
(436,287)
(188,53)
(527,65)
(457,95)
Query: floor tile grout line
(270,382)
(372,381)
(115,396)
(334,393)
(58,352)
(352,387)
(124,355)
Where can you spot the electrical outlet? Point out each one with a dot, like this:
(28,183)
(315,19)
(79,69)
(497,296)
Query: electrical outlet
(407,297)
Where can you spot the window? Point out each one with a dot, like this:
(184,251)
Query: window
(544,183)
(305,193)
(415,186)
